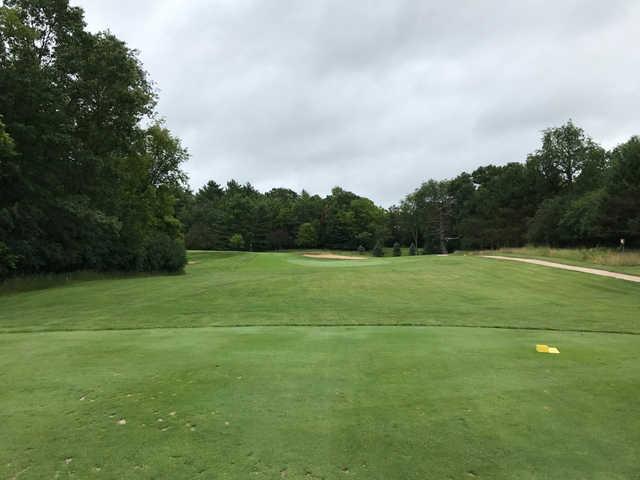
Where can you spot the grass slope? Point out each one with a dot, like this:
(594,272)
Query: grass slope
(224,289)
(602,258)
(370,402)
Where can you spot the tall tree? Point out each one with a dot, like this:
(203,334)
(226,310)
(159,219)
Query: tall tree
(88,186)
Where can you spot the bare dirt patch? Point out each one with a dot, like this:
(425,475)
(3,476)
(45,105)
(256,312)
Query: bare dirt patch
(332,256)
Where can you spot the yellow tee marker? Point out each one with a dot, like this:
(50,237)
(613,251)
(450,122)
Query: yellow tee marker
(546,349)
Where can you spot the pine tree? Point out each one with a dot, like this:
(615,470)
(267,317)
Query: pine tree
(377,250)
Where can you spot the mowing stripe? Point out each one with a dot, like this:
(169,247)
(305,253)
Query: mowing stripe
(326,325)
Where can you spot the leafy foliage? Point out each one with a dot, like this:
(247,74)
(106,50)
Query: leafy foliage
(279,219)
(307,236)
(236,241)
(396,250)
(83,185)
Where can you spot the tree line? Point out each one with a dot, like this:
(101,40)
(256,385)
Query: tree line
(90,178)
(569,192)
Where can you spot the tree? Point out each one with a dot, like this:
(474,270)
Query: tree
(566,154)
(396,250)
(437,210)
(364,238)
(377,250)
(307,236)
(236,241)
(621,205)
(84,184)
(498,211)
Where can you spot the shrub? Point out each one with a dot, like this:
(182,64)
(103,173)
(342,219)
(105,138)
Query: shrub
(361,250)
(236,241)
(396,250)
(413,251)
(164,254)
(377,250)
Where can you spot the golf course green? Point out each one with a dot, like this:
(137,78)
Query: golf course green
(275,365)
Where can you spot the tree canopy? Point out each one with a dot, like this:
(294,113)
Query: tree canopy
(88,177)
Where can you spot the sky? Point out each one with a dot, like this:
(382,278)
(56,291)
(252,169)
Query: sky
(378,96)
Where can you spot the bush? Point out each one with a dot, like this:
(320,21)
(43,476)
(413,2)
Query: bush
(413,251)
(236,241)
(377,250)
(396,250)
(361,250)
(164,254)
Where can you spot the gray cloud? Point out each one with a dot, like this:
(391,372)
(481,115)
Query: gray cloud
(378,96)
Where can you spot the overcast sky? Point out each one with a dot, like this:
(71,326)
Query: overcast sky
(378,96)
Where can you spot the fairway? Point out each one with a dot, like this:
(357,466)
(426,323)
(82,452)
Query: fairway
(283,366)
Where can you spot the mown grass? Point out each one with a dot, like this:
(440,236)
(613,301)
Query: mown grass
(350,394)
(606,258)
(225,289)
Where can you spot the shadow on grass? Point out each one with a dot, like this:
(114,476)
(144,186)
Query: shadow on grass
(27,283)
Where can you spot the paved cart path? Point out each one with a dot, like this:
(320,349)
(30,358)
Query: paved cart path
(562,266)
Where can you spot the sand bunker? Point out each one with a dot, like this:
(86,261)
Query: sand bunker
(332,256)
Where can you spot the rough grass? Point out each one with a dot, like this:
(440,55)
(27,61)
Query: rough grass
(614,260)
(373,402)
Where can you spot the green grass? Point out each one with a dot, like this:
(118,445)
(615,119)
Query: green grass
(348,393)
(603,258)
(224,289)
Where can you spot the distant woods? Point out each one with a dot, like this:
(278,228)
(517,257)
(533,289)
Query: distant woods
(90,179)
(569,192)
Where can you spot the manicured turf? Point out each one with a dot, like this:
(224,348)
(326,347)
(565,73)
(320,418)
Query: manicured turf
(311,402)
(287,289)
